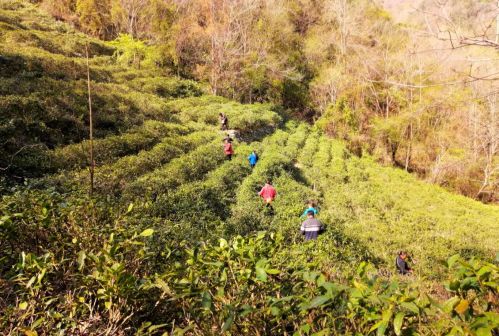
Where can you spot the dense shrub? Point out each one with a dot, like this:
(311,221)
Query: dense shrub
(404,213)
(246,118)
(113,178)
(111,148)
(110,179)
(166,87)
(239,286)
(197,210)
(44,90)
(186,168)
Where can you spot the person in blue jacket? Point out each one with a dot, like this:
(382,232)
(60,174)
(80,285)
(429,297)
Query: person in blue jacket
(253,159)
(311,207)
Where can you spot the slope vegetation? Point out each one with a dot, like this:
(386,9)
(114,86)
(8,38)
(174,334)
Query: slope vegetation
(175,239)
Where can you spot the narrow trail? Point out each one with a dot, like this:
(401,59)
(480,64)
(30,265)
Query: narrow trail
(246,214)
(194,206)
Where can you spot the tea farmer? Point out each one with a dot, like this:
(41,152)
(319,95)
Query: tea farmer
(224,121)
(311,207)
(253,159)
(311,227)
(268,193)
(401,263)
(228,150)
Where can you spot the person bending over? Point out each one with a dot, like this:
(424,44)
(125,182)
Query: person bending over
(268,193)
(311,227)
(401,263)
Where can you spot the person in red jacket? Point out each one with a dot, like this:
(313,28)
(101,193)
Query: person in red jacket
(228,150)
(268,193)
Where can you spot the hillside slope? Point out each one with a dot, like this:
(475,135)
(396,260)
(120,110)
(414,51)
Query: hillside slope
(43,90)
(175,239)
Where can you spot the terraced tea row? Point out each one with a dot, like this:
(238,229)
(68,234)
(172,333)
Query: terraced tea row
(43,103)
(248,214)
(112,178)
(386,210)
(197,210)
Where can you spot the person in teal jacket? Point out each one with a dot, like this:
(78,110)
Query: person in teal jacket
(311,207)
(253,159)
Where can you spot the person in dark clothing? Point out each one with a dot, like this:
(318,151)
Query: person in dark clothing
(401,263)
(311,227)
(224,121)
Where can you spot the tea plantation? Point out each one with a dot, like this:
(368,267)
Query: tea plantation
(175,240)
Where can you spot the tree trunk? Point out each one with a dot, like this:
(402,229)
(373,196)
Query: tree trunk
(409,149)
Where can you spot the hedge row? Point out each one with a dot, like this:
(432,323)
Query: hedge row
(334,251)
(245,118)
(113,178)
(249,214)
(197,210)
(186,168)
(110,148)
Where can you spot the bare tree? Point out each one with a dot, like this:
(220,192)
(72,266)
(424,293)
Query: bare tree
(443,22)
(131,15)
(489,144)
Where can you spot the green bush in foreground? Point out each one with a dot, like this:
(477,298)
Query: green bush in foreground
(234,287)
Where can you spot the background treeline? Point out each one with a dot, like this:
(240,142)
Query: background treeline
(406,92)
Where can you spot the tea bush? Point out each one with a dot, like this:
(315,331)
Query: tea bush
(182,104)
(166,87)
(335,251)
(237,287)
(44,221)
(220,183)
(265,283)
(198,209)
(171,241)
(404,213)
(248,119)
(189,167)
(110,148)
(249,214)
(114,177)
(43,103)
